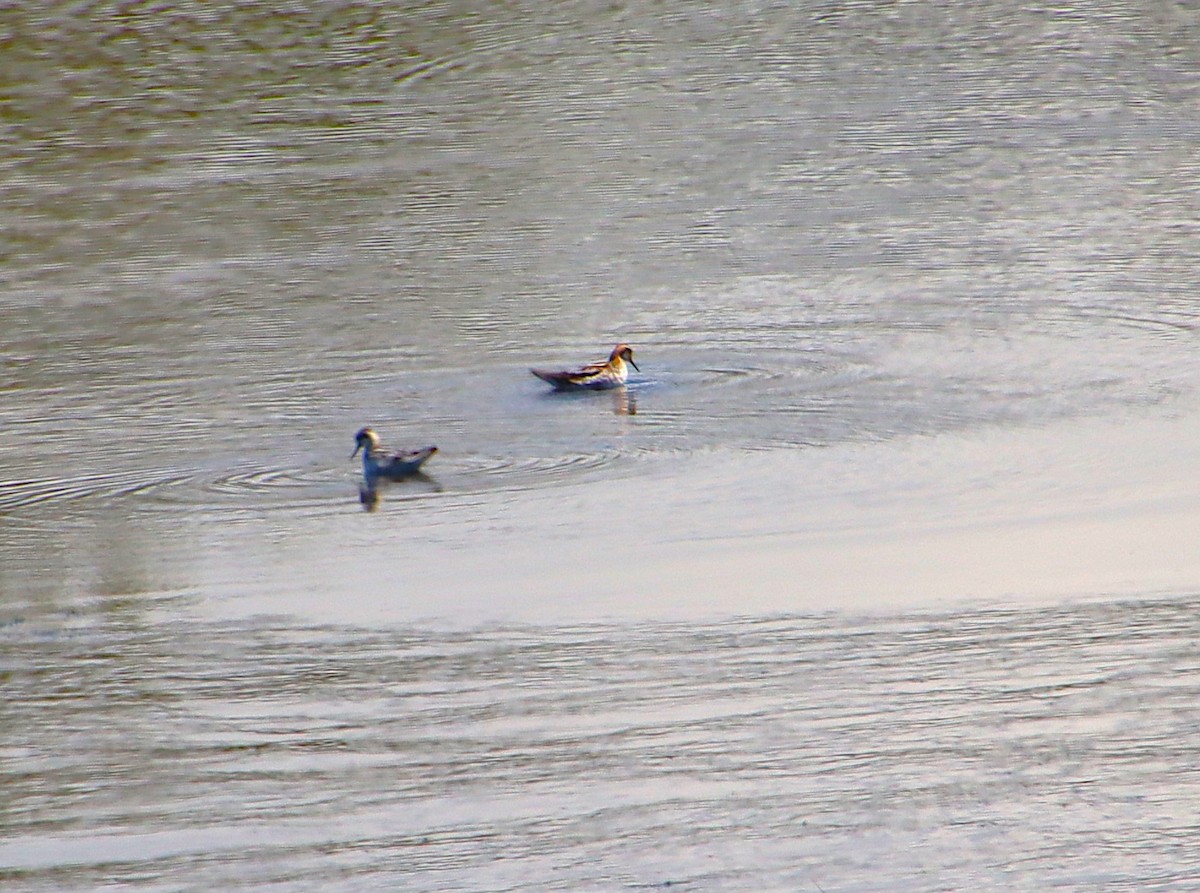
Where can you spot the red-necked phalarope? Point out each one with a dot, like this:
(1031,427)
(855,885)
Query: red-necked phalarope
(610,374)
(379,463)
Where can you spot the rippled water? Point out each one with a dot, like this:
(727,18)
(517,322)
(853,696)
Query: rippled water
(877,576)
(998,750)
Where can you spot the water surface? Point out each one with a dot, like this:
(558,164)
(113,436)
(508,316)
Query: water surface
(878,576)
(1002,750)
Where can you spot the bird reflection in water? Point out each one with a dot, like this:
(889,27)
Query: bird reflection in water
(624,401)
(370,493)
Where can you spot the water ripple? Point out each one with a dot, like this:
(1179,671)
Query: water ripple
(529,472)
(36,493)
(292,488)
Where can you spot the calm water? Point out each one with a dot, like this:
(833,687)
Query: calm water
(878,577)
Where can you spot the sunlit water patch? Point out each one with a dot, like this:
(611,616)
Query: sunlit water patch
(786,367)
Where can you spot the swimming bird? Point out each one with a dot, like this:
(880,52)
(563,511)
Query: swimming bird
(379,463)
(596,376)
